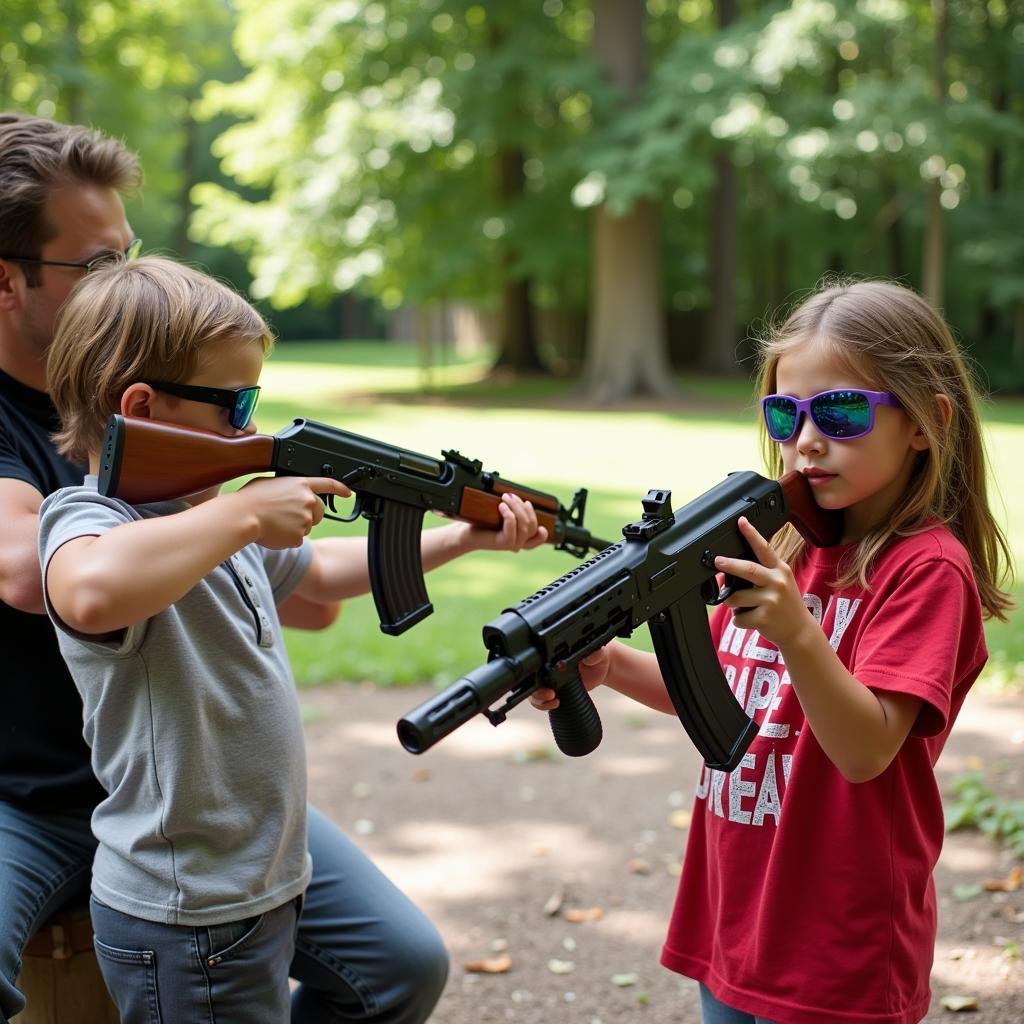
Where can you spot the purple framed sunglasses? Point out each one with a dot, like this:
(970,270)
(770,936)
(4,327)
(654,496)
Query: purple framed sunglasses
(841,415)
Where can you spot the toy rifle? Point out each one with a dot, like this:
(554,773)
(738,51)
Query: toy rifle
(145,460)
(661,574)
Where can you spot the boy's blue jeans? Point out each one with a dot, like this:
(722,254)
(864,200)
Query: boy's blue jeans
(161,973)
(714,1012)
(363,951)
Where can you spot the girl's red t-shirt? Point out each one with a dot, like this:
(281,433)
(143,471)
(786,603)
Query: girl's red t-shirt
(805,897)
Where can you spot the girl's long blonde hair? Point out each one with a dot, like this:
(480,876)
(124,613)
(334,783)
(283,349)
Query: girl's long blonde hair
(894,341)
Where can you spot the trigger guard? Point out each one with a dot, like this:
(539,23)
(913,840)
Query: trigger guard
(714,595)
(357,509)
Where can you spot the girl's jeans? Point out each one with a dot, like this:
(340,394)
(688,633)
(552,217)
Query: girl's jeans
(164,973)
(363,951)
(714,1012)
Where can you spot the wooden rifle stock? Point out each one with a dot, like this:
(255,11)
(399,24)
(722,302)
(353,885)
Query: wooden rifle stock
(820,527)
(146,460)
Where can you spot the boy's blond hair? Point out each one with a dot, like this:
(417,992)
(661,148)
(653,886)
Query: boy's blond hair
(143,319)
(894,341)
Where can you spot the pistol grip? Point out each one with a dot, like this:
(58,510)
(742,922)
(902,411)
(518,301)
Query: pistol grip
(396,566)
(575,723)
(706,706)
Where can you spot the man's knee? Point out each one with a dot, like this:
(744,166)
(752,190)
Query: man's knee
(425,970)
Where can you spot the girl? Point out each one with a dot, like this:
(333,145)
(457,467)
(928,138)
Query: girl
(806,893)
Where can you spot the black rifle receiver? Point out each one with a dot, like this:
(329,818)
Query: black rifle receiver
(662,574)
(144,460)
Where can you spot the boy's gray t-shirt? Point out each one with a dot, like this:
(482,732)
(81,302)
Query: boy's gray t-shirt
(196,734)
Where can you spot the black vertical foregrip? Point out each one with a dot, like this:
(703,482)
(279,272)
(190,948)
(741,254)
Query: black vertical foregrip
(396,566)
(575,723)
(710,713)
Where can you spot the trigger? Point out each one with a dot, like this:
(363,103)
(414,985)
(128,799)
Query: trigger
(732,584)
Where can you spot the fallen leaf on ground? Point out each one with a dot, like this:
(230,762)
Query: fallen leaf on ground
(561,966)
(638,866)
(535,754)
(680,819)
(491,965)
(554,903)
(1009,884)
(577,915)
(625,980)
(958,1003)
(962,893)
(422,775)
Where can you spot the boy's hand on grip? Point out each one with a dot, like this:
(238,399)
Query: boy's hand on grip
(288,507)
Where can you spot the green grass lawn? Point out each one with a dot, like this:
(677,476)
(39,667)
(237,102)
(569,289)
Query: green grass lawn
(535,433)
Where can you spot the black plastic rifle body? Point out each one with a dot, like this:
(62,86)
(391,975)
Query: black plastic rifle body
(144,461)
(661,574)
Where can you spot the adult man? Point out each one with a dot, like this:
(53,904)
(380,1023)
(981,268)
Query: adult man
(363,951)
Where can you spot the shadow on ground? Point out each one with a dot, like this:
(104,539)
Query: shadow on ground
(498,836)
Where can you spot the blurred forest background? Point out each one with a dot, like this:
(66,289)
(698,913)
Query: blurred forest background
(602,188)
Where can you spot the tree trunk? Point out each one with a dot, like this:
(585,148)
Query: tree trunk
(626,350)
(626,345)
(989,319)
(517,337)
(517,334)
(719,353)
(72,93)
(189,175)
(933,270)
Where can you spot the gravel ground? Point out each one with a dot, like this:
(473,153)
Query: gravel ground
(503,842)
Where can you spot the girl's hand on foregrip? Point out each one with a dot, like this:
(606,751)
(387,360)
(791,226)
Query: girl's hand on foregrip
(594,670)
(288,507)
(772,604)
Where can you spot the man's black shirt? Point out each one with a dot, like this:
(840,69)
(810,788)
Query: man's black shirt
(44,762)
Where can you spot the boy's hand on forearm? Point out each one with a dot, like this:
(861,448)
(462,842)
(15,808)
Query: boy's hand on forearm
(519,530)
(286,508)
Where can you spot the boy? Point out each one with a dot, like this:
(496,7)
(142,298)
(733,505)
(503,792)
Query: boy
(167,619)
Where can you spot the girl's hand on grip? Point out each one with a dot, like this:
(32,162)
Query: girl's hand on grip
(594,670)
(772,604)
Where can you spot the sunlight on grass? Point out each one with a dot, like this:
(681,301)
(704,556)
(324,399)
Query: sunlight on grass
(328,384)
(617,455)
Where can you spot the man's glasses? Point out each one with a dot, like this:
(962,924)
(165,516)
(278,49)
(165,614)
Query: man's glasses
(240,401)
(100,260)
(841,415)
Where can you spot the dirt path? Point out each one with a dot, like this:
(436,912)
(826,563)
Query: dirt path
(493,828)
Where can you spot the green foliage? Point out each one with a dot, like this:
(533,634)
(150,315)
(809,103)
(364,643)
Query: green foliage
(978,806)
(423,151)
(131,68)
(376,137)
